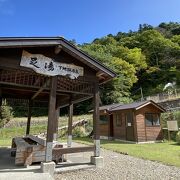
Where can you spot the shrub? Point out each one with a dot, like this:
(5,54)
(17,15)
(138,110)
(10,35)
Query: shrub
(79,132)
(62,133)
(174,115)
(5,115)
(172,134)
(89,126)
(178,137)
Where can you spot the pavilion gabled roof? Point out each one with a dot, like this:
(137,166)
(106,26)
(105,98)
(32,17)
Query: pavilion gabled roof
(104,74)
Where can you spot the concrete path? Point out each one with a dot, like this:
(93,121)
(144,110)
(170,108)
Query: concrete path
(8,170)
(25,176)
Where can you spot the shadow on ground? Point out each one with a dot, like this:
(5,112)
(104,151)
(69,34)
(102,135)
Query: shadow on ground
(7,163)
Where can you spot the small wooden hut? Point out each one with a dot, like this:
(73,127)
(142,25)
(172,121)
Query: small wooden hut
(138,121)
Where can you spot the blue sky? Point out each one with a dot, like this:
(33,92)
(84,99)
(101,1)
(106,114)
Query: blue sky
(82,20)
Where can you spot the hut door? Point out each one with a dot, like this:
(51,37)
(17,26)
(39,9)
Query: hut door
(129,127)
(111,133)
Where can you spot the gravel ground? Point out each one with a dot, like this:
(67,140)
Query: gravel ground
(118,166)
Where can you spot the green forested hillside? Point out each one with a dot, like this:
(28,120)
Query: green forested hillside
(147,58)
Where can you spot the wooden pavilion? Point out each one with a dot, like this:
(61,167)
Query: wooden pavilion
(52,70)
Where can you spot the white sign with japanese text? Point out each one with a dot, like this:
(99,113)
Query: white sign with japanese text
(172,125)
(47,66)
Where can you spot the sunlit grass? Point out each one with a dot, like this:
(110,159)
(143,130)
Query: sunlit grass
(5,142)
(20,131)
(166,152)
(39,125)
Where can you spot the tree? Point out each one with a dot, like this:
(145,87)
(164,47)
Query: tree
(5,115)
(125,62)
(149,57)
(176,39)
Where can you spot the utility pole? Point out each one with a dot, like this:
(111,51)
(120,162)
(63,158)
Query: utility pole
(142,98)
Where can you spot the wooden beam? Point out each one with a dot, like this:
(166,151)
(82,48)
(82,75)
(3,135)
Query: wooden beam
(96,134)
(57,49)
(57,123)
(96,111)
(32,90)
(51,118)
(29,117)
(0,96)
(69,140)
(57,111)
(30,105)
(19,85)
(40,90)
(67,150)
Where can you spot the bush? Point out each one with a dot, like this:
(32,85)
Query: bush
(5,115)
(174,115)
(172,134)
(79,131)
(62,133)
(178,137)
(89,126)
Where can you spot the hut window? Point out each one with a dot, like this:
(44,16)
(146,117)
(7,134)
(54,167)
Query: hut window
(152,119)
(118,120)
(103,119)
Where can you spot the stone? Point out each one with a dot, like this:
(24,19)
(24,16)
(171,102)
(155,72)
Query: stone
(48,167)
(97,161)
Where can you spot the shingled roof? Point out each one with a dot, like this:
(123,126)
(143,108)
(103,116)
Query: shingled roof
(136,106)
(109,107)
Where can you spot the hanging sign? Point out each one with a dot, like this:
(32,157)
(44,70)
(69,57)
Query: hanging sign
(172,125)
(47,66)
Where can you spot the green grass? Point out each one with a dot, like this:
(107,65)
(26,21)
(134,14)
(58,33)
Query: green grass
(166,152)
(20,131)
(63,120)
(6,134)
(5,142)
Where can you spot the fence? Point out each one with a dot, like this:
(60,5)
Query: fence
(161,97)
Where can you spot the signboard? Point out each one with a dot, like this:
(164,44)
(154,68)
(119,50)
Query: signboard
(172,125)
(47,66)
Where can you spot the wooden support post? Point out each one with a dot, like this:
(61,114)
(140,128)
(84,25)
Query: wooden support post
(169,135)
(51,118)
(29,117)
(0,97)
(96,120)
(57,111)
(69,140)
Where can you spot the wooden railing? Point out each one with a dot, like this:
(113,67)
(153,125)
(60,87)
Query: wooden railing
(33,80)
(22,78)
